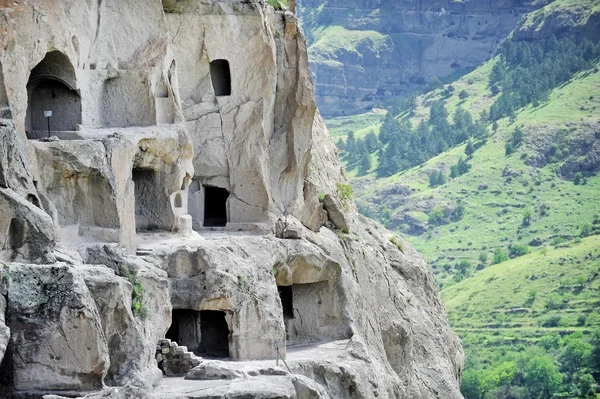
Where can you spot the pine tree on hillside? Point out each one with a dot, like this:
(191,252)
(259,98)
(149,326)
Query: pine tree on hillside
(351,148)
(389,128)
(364,163)
(469,149)
(372,142)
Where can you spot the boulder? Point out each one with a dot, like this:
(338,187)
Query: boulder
(131,338)
(336,213)
(57,339)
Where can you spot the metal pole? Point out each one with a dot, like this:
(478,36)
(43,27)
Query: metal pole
(48,118)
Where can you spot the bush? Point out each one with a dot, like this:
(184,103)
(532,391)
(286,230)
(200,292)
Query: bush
(586,230)
(458,213)
(137,294)
(551,321)
(500,256)
(483,258)
(436,216)
(345,193)
(277,4)
(527,215)
(516,250)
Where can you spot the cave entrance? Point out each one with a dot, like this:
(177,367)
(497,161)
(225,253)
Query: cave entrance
(51,87)
(287,301)
(221,77)
(185,328)
(215,206)
(311,313)
(15,238)
(215,334)
(203,332)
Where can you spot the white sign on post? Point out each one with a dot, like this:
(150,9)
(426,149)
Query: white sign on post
(47,114)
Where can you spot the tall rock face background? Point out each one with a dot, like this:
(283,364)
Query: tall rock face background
(393,47)
(164,171)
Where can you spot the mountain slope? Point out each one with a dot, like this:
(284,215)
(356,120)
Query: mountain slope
(391,47)
(513,240)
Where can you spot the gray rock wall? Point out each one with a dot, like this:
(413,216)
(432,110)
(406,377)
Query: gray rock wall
(97,238)
(420,40)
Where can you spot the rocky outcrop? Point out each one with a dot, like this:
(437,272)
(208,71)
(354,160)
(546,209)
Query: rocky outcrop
(365,52)
(179,200)
(56,338)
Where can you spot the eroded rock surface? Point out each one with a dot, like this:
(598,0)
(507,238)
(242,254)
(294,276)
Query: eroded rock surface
(181,200)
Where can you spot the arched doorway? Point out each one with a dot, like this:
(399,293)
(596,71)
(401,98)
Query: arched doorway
(51,87)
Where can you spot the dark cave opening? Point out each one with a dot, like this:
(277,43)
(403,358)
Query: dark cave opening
(215,206)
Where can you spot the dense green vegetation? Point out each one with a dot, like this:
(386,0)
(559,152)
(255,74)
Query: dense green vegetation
(527,71)
(492,178)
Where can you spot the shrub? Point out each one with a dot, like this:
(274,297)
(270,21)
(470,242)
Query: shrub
(527,214)
(277,4)
(586,230)
(458,213)
(137,294)
(500,256)
(554,302)
(551,321)
(398,243)
(436,216)
(516,250)
(509,149)
(346,193)
(483,258)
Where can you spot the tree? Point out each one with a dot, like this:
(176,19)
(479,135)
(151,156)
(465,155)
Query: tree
(372,142)
(341,144)
(579,179)
(463,95)
(509,148)
(364,162)
(495,126)
(469,149)
(517,136)
(351,148)
(389,128)
(541,377)
(437,178)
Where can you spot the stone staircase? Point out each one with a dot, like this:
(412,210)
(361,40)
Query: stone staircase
(175,360)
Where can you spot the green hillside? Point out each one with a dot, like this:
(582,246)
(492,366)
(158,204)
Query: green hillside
(510,224)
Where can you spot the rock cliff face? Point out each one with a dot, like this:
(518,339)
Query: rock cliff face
(178,195)
(365,51)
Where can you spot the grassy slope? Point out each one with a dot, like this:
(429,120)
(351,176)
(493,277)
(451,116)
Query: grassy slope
(333,40)
(493,216)
(501,309)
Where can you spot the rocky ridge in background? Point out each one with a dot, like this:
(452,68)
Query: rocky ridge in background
(178,195)
(393,47)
